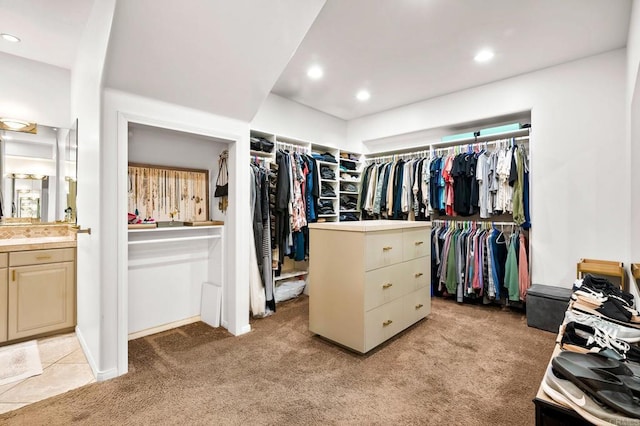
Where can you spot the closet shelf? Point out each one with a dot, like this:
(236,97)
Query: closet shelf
(349,211)
(327,163)
(263,154)
(328,180)
(329,198)
(328,215)
(172,240)
(349,192)
(355,172)
(290,274)
(176,228)
(349,160)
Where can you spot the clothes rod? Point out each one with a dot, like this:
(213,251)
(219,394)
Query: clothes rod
(473,221)
(444,146)
(297,148)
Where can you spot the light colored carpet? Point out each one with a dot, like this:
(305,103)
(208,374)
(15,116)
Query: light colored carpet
(19,361)
(465,365)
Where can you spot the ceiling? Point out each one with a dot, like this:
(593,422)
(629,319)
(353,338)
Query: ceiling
(405,51)
(225,57)
(216,56)
(50,30)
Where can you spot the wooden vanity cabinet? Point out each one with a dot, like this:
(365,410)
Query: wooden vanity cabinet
(41,292)
(4,295)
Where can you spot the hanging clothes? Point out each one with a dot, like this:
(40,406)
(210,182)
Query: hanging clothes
(470,261)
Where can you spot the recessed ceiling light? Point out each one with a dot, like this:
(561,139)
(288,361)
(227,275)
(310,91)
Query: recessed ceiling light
(363,95)
(10,37)
(315,72)
(484,55)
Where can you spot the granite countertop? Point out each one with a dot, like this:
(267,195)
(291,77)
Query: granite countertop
(37,243)
(368,225)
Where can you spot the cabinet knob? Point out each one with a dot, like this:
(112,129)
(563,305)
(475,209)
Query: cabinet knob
(386,323)
(387,248)
(387,285)
(419,243)
(418,274)
(418,306)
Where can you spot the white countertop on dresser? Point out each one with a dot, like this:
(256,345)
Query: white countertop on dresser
(368,225)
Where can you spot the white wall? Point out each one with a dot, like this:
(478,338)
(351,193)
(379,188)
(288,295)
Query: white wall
(150,145)
(96,313)
(579,165)
(633,117)
(287,118)
(34,91)
(120,109)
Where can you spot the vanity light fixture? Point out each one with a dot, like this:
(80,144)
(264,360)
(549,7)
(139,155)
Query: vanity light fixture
(484,55)
(10,37)
(315,72)
(26,176)
(363,95)
(16,125)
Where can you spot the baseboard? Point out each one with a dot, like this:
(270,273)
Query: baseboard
(163,327)
(244,330)
(98,374)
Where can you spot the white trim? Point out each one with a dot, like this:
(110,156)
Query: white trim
(99,375)
(243,330)
(163,327)
(123,120)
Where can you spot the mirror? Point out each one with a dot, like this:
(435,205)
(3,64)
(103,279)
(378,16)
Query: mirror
(39,175)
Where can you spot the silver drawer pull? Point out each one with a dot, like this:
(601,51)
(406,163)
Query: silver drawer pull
(418,274)
(419,243)
(418,306)
(386,323)
(386,286)
(386,248)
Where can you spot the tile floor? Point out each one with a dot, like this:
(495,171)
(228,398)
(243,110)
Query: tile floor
(64,368)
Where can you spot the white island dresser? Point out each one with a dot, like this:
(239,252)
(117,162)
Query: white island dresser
(368,280)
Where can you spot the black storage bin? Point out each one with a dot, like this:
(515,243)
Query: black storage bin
(546,306)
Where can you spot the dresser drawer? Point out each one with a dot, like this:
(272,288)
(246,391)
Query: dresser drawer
(383,322)
(416,273)
(4,260)
(34,257)
(382,248)
(383,285)
(417,305)
(415,243)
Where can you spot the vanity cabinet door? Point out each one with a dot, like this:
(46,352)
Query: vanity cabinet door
(4,294)
(41,299)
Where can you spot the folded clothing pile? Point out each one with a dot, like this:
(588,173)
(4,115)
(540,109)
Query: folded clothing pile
(260,144)
(348,187)
(348,217)
(348,202)
(325,207)
(327,190)
(328,157)
(597,372)
(347,165)
(327,173)
(347,176)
